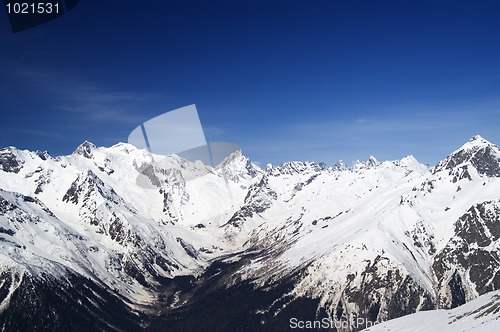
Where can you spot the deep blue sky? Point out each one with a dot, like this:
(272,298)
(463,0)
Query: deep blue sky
(286,80)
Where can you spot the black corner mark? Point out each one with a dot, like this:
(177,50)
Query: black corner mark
(70,4)
(26,14)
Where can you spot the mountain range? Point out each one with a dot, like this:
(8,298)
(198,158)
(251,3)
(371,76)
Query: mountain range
(119,239)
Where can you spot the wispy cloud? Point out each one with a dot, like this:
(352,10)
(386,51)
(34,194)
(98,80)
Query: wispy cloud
(428,132)
(90,101)
(42,133)
(102,105)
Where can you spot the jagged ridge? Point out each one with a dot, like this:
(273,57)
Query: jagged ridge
(378,240)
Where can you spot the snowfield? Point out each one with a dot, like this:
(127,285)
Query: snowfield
(478,315)
(378,240)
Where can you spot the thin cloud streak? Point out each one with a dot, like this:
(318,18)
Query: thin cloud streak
(96,104)
(430,135)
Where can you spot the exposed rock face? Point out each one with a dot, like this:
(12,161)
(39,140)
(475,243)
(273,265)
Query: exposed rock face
(45,303)
(478,153)
(470,263)
(85,149)
(237,247)
(9,162)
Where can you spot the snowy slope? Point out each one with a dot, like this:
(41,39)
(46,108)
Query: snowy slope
(374,239)
(377,240)
(86,212)
(478,315)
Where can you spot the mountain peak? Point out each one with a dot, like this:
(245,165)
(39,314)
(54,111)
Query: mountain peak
(369,163)
(9,160)
(44,155)
(116,230)
(411,163)
(339,166)
(475,141)
(85,149)
(477,138)
(237,165)
(372,161)
(296,167)
(122,147)
(483,155)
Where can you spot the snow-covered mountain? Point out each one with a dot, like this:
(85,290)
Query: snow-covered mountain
(120,239)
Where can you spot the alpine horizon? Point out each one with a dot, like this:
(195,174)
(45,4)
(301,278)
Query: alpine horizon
(84,247)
